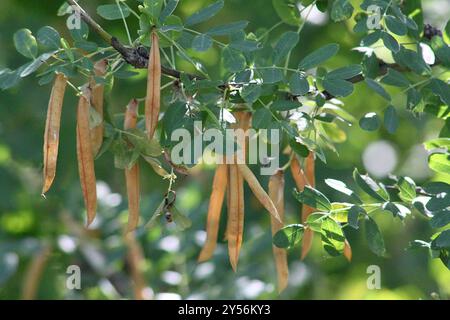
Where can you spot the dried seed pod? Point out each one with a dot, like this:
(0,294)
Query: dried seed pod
(215,208)
(258,191)
(348,251)
(97,104)
(34,273)
(52,126)
(132,174)
(153,99)
(235,225)
(276,193)
(310,177)
(298,174)
(85,157)
(135,258)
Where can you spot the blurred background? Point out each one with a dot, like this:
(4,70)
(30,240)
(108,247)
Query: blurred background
(30,224)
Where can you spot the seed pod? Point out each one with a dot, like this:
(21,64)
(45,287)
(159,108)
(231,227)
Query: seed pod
(258,191)
(235,225)
(215,208)
(310,177)
(135,259)
(132,175)
(153,99)
(347,251)
(86,158)
(97,103)
(276,193)
(34,273)
(298,174)
(51,135)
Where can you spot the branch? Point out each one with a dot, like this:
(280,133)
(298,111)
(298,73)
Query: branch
(138,57)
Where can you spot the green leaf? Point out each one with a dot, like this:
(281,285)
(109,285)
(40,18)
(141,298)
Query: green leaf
(439,162)
(345,73)
(439,202)
(80,34)
(371,38)
(205,14)
(370,122)
(395,78)
(113,11)
(272,75)
(284,105)
(396,209)
(374,237)
(245,45)
(287,11)
(375,86)
(141,142)
(287,42)
(333,239)
(298,84)
(228,29)
(442,241)
(395,25)
(153,7)
(319,56)
(288,236)
(369,186)
(26,43)
(49,37)
(251,93)
(407,188)
(299,148)
(313,198)
(390,42)
(342,187)
(390,119)
(412,60)
(181,221)
(337,87)
(168,10)
(262,118)
(233,60)
(371,66)
(202,42)
(353,216)
(341,10)
(440,219)
(315,220)
(39,61)
(441,89)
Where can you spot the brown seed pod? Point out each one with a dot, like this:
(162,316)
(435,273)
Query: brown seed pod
(348,251)
(34,273)
(215,208)
(97,100)
(235,225)
(52,126)
(258,191)
(153,99)
(85,157)
(276,193)
(132,174)
(135,258)
(307,211)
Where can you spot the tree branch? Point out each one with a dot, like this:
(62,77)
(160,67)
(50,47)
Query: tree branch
(138,57)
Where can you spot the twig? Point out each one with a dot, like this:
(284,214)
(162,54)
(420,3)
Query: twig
(138,57)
